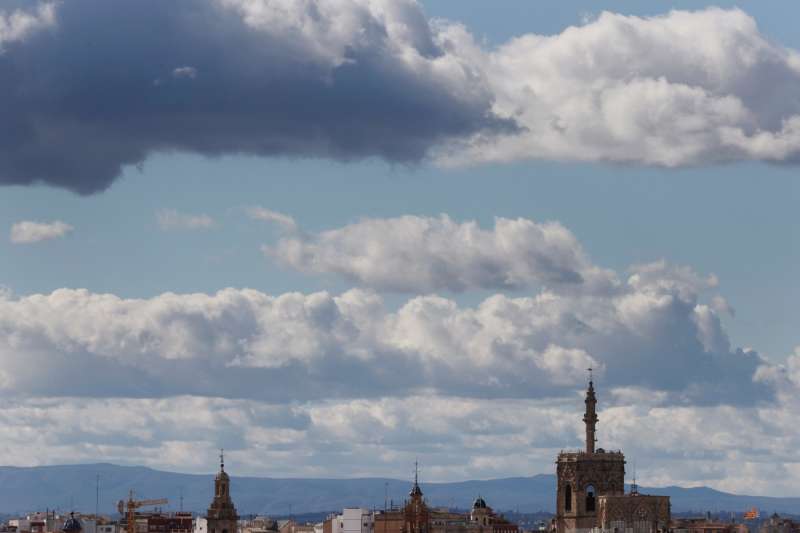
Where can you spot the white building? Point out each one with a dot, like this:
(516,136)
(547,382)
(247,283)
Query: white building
(200,525)
(353,520)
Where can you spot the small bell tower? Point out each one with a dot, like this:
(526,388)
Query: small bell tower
(222,516)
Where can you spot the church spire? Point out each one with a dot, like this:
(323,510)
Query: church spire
(590,417)
(415,490)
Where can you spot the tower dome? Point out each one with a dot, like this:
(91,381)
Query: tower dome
(479,503)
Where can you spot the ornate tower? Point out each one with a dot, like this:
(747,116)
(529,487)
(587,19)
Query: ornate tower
(416,511)
(221,516)
(583,476)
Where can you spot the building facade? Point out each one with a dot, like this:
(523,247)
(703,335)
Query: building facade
(353,520)
(590,492)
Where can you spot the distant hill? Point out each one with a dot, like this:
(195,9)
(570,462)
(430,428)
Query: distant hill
(73,486)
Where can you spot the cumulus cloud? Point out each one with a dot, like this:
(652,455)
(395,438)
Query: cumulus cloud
(170,219)
(296,347)
(27,231)
(422,254)
(683,88)
(367,78)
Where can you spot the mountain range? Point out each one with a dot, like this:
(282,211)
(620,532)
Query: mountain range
(74,487)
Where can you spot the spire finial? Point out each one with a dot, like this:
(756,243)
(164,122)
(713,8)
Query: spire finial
(590,375)
(221,459)
(415,490)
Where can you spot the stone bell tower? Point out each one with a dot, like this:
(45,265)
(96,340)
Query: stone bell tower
(583,476)
(221,516)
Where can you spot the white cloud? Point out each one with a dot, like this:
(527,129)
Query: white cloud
(684,88)
(184,72)
(27,232)
(286,222)
(171,219)
(455,438)
(421,254)
(295,347)
(18,24)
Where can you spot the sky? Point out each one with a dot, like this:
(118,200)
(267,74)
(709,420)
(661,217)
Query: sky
(335,237)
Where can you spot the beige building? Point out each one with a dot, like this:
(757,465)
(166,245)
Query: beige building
(416,517)
(590,494)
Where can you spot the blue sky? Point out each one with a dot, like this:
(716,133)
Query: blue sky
(698,198)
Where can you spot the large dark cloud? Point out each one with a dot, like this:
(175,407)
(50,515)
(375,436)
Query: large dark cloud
(107,83)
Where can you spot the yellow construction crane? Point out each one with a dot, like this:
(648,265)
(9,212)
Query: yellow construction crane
(132,505)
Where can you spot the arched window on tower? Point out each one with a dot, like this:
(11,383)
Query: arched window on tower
(590,499)
(568,497)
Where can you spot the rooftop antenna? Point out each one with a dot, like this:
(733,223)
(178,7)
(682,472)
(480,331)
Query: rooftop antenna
(97,498)
(180,490)
(634,486)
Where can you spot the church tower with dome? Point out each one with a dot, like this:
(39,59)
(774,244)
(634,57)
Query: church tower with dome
(221,515)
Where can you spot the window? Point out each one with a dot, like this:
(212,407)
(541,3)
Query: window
(590,499)
(568,498)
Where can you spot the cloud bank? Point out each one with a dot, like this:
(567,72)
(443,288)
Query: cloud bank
(27,231)
(242,343)
(454,438)
(354,79)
